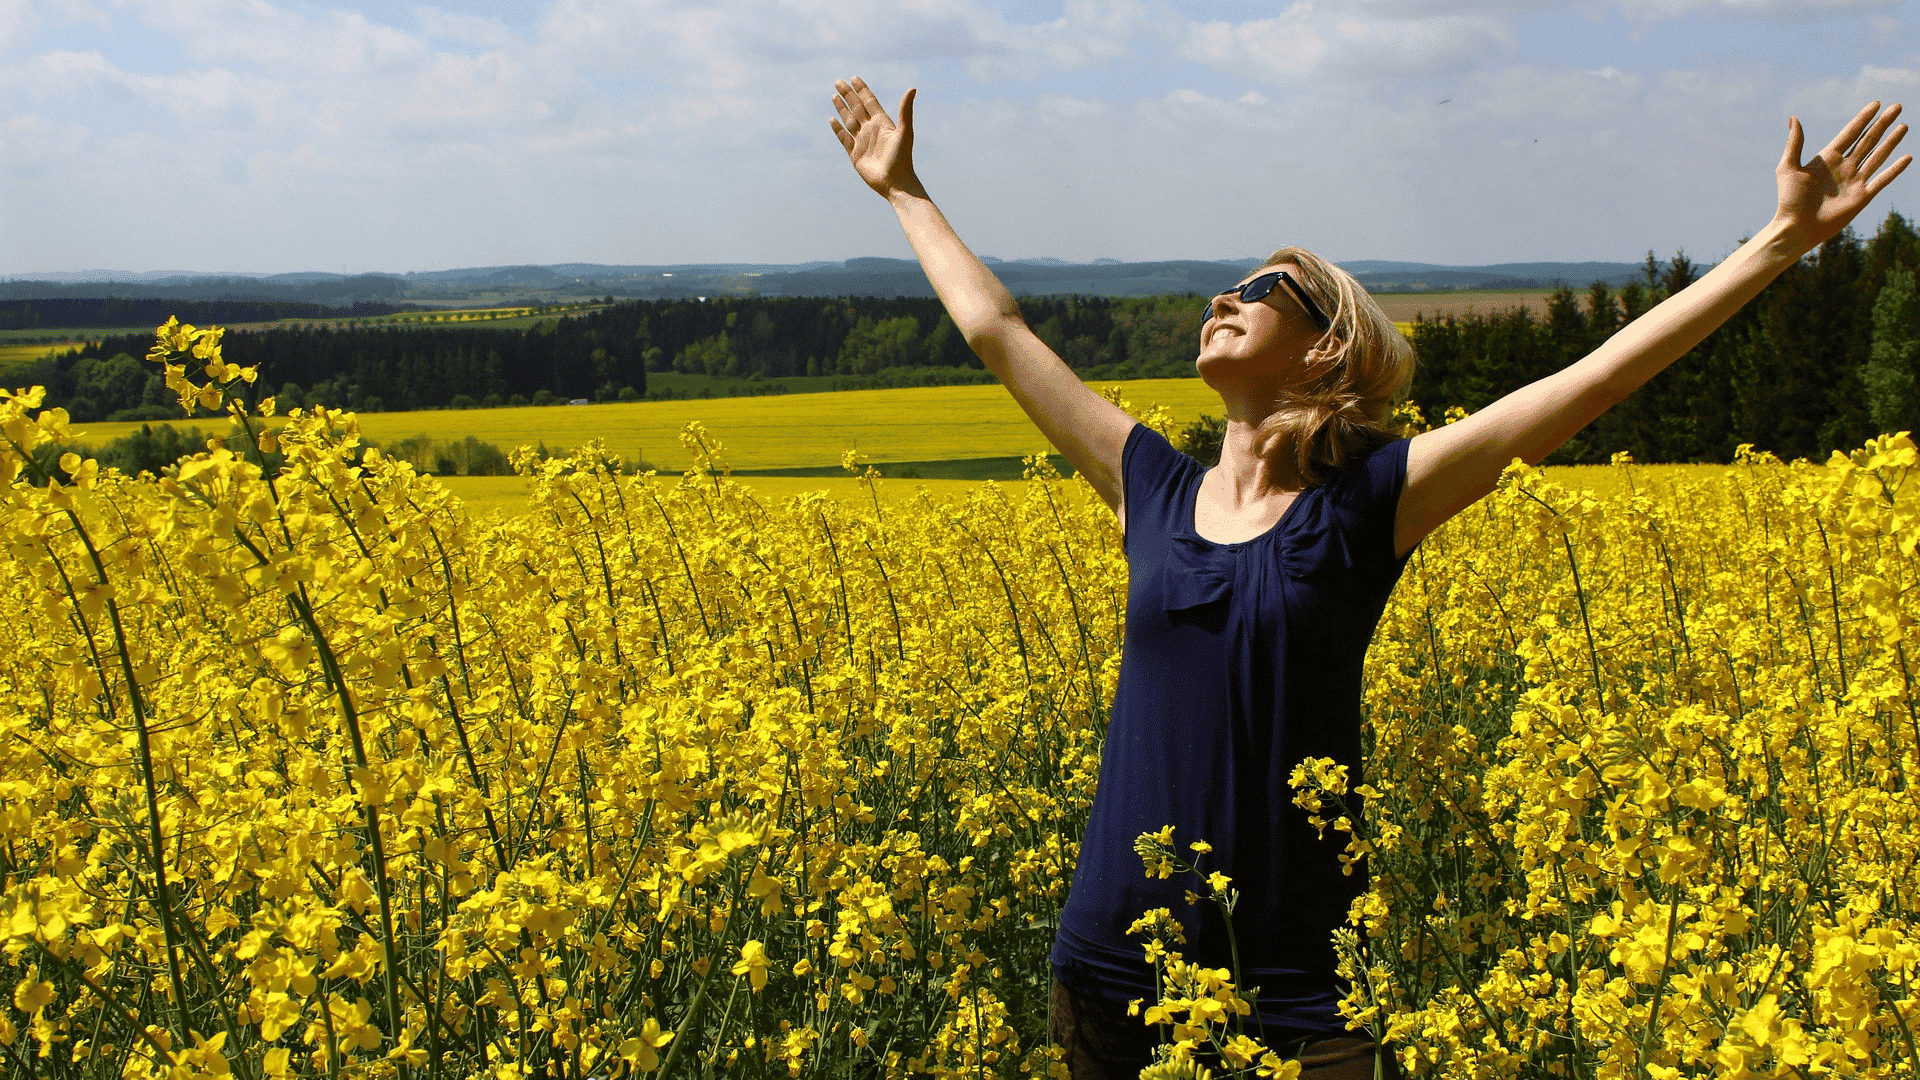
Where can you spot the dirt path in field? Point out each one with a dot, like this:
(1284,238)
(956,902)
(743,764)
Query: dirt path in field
(1401,307)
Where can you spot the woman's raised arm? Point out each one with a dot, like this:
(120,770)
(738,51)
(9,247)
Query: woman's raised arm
(1081,424)
(1449,468)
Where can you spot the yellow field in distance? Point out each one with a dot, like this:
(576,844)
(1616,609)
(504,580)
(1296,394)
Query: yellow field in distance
(488,495)
(19,356)
(799,430)
(930,423)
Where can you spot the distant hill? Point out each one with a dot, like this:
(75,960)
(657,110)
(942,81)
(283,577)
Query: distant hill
(880,277)
(1024,277)
(330,290)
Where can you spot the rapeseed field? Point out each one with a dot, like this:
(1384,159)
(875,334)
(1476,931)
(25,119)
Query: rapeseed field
(19,356)
(313,774)
(487,496)
(786,431)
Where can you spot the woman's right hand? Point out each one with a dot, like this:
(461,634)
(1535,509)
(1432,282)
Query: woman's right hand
(881,151)
(1091,431)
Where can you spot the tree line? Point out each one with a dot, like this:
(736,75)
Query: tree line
(1825,357)
(605,355)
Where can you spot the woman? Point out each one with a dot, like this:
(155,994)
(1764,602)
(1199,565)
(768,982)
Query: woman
(1254,586)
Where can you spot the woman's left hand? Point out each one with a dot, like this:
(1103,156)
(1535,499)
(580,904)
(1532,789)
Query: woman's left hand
(1819,198)
(1450,467)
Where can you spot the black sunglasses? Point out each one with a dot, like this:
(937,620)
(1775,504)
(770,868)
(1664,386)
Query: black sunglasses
(1259,287)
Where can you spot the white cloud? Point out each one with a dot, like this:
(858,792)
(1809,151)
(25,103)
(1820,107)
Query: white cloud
(790,44)
(470,29)
(59,72)
(30,142)
(1089,33)
(1311,40)
(257,33)
(1670,9)
(736,43)
(77,11)
(17,22)
(1878,78)
(682,130)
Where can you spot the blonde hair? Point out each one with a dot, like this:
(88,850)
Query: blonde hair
(1341,410)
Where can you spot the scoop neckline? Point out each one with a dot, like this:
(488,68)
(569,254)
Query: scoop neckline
(1193,504)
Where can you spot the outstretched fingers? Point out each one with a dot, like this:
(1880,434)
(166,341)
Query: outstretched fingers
(1864,147)
(851,114)
(1857,152)
(1869,152)
(1879,154)
(864,100)
(1818,198)
(1886,176)
(852,100)
(881,150)
(843,105)
(1842,142)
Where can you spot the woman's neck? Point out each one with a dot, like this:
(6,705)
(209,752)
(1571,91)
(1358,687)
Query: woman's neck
(1243,475)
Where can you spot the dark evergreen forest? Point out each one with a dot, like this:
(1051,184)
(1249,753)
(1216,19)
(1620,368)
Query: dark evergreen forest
(1826,357)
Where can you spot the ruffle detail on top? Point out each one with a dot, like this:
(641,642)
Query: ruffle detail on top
(1319,536)
(1197,572)
(1312,542)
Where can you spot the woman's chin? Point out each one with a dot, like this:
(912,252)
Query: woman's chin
(1214,364)
(1235,376)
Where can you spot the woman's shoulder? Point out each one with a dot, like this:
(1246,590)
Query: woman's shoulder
(1350,520)
(1376,472)
(1148,453)
(1157,479)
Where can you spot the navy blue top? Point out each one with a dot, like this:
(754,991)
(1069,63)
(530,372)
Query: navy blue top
(1239,661)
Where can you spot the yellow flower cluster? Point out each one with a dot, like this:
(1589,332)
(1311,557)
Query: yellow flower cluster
(1640,793)
(1199,1009)
(304,773)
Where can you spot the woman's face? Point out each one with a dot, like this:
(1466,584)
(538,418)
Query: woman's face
(1261,340)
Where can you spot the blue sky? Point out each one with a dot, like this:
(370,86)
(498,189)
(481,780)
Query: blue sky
(276,135)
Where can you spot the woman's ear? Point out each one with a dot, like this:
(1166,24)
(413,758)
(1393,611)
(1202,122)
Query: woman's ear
(1325,351)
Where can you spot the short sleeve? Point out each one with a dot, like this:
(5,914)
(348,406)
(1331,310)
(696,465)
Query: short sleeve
(1367,495)
(1153,475)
